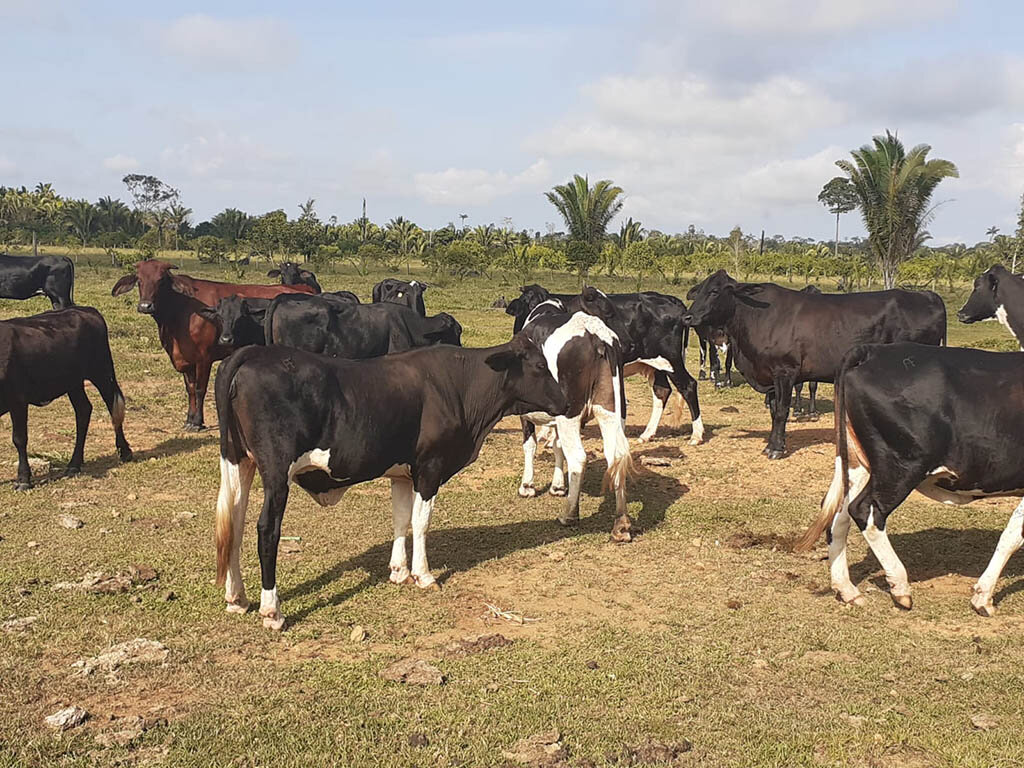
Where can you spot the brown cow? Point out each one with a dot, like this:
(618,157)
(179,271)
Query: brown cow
(190,340)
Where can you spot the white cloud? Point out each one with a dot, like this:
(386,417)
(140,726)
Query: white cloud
(242,44)
(120,163)
(459,186)
(226,156)
(6,164)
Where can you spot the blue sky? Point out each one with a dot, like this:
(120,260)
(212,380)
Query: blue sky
(708,114)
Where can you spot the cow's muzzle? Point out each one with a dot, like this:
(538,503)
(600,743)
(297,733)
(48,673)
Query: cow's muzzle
(146,307)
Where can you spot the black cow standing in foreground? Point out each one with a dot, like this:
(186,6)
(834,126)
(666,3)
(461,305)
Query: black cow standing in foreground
(409,293)
(783,336)
(22,277)
(998,295)
(294,274)
(328,325)
(585,356)
(49,355)
(325,424)
(947,422)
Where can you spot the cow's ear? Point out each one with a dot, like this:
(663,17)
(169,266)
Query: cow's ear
(259,315)
(504,360)
(747,289)
(209,314)
(274,273)
(182,287)
(423,287)
(124,285)
(302,273)
(993,281)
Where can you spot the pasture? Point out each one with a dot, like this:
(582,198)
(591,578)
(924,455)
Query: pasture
(704,631)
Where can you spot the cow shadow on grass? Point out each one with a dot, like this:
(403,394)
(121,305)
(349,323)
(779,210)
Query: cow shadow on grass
(796,439)
(936,552)
(464,548)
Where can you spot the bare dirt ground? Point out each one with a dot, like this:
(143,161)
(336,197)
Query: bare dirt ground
(704,634)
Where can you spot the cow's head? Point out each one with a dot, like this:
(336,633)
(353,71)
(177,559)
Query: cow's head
(233,315)
(293,274)
(153,278)
(529,297)
(714,299)
(596,302)
(448,332)
(985,299)
(528,384)
(407,293)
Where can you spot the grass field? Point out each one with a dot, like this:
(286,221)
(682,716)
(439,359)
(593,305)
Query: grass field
(699,631)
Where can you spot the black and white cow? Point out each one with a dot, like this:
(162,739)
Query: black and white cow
(22,277)
(326,424)
(295,274)
(998,295)
(782,336)
(652,344)
(331,326)
(50,355)
(585,356)
(944,421)
(408,293)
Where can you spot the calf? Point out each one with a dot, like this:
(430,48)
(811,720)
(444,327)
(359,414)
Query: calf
(943,421)
(782,336)
(408,293)
(329,326)
(998,295)
(585,357)
(240,320)
(293,274)
(416,418)
(49,355)
(22,277)
(176,303)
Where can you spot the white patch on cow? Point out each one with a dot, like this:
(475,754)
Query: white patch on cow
(658,363)
(399,471)
(601,292)
(526,489)
(577,325)
(556,303)
(402,502)
(232,501)
(270,609)
(422,510)
(929,487)
(657,407)
(697,437)
(895,572)
(838,565)
(1010,541)
(723,349)
(318,458)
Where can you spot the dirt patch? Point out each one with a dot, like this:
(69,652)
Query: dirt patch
(479,645)
(651,753)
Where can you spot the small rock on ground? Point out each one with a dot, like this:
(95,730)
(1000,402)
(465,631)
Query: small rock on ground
(71,522)
(539,750)
(413,672)
(466,646)
(19,625)
(69,717)
(137,651)
(651,753)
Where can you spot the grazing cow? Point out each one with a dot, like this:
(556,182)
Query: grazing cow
(176,302)
(650,328)
(585,357)
(22,277)
(49,355)
(293,274)
(409,293)
(943,421)
(330,326)
(416,418)
(783,336)
(998,295)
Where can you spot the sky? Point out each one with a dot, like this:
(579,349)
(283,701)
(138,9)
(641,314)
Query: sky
(712,114)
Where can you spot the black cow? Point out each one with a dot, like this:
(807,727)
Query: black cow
(812,386)
(783,336)
(22,277)
(49,355)
(998,295)
(330,326)
(294,274)
(240,320)
(408,293)
(650,328)
(943,421)
(585,356)
(416,418)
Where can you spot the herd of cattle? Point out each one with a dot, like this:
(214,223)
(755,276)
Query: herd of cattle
(324,391)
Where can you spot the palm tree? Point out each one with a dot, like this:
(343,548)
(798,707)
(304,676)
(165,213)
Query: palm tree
(111,213)
(81,216)
(485,234)
(894,190)
(232,224)
(307,210)
(630,231)
(402,233)
(178,215)
(586,210)
(159,218)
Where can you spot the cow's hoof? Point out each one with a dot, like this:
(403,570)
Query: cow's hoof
(903,602)
(72,471)
(275,623)
(238,605)
(702,376)
(622,530)
(988,610)
(426,581)
(774,453)
(527,491)
(568,521)
(558,490)
(400,576)
(696,440)
(858,599)
(22,486)
(126,455)
(190,427)
(644,438)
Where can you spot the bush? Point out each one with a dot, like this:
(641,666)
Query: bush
(210,249)
(459,259)
(148,244)
(580,256)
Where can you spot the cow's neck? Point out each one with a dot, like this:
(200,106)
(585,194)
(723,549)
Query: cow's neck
(738,327)
(485,402)
(1010,311)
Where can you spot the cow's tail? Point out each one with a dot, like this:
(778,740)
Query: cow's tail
(839,487)
(268,323)
(232,452)
(71,285)
(620,461)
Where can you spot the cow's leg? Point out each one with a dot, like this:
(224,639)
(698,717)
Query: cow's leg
(659,399)
(113,398)
(779,405)
(702,346)
(189,374)
(83,412)
(275,497)
(422,509)
(19,436)
(687,387)
(526,489)
(798,391)
(232,504)
(837,535)
(714,364)
(576,462)
(203,368)
(558,486)
(727,382)
(402,504)
(616,454)
(1009,542)
(812,391)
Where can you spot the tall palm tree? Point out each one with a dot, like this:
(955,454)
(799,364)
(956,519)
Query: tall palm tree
(111,213)
(307,210)
(403,234)
(630,231)
(82,217)
(586,210)
(159,219)
(178,216)
(485,234)
(894,190)
(232,224)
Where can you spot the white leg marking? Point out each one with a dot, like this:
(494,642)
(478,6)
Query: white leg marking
(657,407)
(529,451)
(232,502)
(575,459)
(1009,542)
(402,501)
(421,512)
(895,572)
(698,431)
(837,560)
(616,446)
(270,609)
